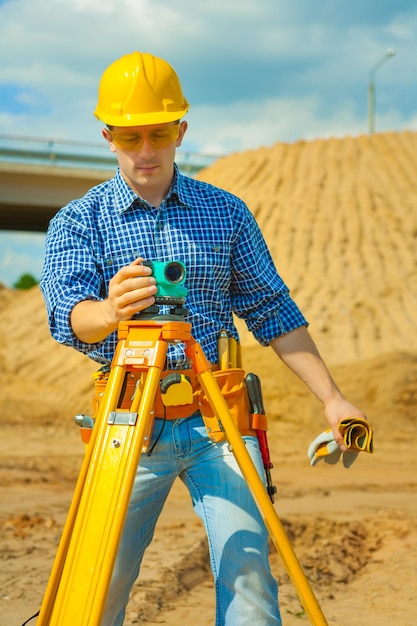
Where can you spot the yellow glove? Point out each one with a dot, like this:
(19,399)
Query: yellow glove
(357,436)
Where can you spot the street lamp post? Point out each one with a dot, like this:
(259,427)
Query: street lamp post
(371,88)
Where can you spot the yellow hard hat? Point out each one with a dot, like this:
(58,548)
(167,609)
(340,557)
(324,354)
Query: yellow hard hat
(140,89)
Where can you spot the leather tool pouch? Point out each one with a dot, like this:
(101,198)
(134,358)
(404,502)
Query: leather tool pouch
(160,409)
(233,388)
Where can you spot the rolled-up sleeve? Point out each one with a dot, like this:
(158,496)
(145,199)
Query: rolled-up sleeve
(285,318)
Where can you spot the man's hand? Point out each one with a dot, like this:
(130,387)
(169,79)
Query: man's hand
(131,290)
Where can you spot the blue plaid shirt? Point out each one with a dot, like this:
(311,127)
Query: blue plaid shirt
(229,268)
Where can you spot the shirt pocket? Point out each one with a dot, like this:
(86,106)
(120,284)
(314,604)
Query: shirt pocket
(110,263)
(208,262)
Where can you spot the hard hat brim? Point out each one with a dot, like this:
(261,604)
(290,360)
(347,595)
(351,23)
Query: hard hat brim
(140,119)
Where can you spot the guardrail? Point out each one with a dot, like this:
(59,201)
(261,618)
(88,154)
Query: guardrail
(60,153)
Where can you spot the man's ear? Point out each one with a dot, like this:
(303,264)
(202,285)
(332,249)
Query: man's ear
(183,128)
(107,136)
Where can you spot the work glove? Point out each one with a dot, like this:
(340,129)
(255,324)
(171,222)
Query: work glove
(357,436)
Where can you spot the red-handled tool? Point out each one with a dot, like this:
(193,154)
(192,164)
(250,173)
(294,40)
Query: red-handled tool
(253,385)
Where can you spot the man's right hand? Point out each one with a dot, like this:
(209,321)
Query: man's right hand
(131,290)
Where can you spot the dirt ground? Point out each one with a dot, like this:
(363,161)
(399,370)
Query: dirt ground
(341,219)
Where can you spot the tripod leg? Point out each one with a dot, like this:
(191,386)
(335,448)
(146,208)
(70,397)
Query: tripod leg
(265,506)
(92,539)
(109,403)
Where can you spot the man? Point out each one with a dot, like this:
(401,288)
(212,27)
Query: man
(94,278)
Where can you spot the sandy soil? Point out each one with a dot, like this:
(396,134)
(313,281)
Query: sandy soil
(341,219)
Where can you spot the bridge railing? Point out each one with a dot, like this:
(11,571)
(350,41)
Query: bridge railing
(61,153)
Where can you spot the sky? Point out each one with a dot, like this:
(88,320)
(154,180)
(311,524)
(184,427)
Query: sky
(255,72)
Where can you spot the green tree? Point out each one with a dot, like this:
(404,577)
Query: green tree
(26,281)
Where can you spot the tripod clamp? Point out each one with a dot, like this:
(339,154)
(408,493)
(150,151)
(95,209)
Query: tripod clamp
(177,311)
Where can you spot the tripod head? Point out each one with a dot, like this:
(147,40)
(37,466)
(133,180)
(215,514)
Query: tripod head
(177,312)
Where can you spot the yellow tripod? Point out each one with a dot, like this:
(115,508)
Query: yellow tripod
(80,577)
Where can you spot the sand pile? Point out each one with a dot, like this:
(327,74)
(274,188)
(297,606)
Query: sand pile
(340,217)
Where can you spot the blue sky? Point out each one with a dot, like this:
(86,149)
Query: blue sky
(254,71)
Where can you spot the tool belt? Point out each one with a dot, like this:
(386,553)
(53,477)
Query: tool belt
(232,386)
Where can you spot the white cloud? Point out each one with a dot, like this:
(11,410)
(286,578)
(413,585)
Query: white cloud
(232,57)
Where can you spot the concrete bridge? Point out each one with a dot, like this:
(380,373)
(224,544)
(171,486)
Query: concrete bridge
(39,176)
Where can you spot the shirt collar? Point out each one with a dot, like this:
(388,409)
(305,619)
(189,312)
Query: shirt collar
(126,197)
(179,189)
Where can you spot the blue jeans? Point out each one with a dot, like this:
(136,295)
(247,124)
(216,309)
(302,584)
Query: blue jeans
(246,592)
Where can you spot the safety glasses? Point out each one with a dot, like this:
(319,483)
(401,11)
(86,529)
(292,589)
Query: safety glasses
(157,137)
